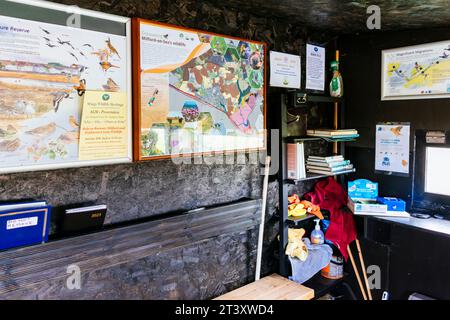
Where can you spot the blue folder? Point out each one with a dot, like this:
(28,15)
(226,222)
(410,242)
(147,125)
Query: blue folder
(24,226)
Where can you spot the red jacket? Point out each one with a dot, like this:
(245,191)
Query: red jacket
(331,196)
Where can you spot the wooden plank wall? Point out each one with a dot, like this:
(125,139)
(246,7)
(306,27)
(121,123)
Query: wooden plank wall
(32,268)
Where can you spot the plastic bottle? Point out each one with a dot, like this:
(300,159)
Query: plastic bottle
(317,236)
(337,84)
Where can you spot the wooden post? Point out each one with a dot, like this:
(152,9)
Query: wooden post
(336,115)
(336,126)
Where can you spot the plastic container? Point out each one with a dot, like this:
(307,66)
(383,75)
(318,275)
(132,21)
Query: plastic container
(335,270)
(317,236)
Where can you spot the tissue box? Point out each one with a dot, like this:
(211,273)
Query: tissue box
(363,196)
(393,204)
(363,189)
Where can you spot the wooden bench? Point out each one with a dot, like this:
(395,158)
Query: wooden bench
(274,287)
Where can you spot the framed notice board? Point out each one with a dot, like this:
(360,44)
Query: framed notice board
(416,72)
(196,92)
(52,58)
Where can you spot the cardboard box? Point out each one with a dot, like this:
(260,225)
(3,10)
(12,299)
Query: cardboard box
(363,195)
(369,206)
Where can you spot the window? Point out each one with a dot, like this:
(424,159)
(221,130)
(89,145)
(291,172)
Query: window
(437,171)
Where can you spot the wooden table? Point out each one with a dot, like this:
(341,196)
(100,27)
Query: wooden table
(274,287)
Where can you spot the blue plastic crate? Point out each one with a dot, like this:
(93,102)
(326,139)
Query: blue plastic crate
(393,204)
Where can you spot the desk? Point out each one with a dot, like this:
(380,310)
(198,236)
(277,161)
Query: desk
(432,224)
(411,253)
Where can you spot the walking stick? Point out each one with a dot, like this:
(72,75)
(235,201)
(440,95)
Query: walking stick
(363,266)
(355,269)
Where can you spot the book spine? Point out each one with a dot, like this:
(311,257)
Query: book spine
(296,161)
(292,161)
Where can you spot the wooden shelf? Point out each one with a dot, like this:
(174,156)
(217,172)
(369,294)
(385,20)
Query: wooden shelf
(349,139)
(301,139)
(314,98)
(311,97)
(313,176)
(302,99)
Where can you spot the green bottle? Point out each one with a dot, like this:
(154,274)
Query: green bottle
(337,84)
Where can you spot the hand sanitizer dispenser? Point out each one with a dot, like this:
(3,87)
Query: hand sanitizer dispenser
(317,236)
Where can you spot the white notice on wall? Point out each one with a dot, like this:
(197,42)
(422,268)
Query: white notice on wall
(392,148)
(315,67)
(285,70)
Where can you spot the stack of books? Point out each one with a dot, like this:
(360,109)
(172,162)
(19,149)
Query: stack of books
(346,134)
(328,165)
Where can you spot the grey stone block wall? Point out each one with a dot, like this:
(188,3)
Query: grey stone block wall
(134,191)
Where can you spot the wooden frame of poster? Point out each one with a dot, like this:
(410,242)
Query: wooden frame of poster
(412,74)
(137,91)
(66,20)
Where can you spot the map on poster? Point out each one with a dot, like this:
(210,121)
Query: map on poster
(419,71)
(199,92)
(43,68)
(392,148)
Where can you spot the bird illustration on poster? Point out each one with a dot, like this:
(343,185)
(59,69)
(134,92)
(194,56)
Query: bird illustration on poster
(45,69)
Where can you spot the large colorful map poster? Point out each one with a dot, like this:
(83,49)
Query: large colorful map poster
(416,72)
(44,68)
(199,92)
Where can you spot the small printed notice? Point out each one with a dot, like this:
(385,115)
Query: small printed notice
(315,67)
(392,148)
(22,223)
(104,126)
(285,70)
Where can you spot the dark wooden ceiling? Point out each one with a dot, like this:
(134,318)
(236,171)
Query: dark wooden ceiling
(344,16)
